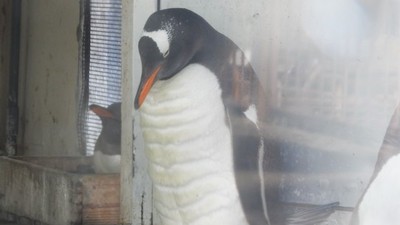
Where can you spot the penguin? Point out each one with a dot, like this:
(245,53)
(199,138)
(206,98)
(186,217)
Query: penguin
(107,150)
(380,202)
(201,109)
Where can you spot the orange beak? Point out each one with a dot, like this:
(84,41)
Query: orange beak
(101,111)
(147,86)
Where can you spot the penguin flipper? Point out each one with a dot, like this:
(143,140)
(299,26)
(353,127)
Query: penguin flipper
(311,216)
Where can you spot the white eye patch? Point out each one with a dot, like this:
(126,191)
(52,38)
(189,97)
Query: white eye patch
(251,114)
(160,37)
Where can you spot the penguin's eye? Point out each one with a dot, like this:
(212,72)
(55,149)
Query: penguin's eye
(166,53)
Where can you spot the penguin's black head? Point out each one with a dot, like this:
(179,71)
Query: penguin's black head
(170,40)
(110,120)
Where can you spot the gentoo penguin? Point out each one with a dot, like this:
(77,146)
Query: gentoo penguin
(380,203)
(200,105)
(107,151)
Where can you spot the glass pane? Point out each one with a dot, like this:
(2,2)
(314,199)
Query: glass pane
(331,77)
(105,62)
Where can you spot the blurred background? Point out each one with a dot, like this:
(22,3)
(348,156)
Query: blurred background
(331,73)
(330,70)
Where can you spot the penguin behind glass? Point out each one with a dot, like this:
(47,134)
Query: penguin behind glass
(201,106)
(107,151)
(380,203)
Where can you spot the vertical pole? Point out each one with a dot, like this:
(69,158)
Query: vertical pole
(12,109)
(136,186)
(126,216)
(158,5)
(83,35)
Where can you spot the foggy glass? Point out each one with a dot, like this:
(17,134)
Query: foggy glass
(331,74)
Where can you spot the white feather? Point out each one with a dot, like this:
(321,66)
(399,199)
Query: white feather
(261,154)
(189,149)
(251,114)
(106,163)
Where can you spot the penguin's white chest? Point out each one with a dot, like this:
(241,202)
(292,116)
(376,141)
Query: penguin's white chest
(188,144)
(381,202)
(106,163)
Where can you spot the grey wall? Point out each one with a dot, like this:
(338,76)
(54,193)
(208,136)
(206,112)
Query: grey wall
(49,77)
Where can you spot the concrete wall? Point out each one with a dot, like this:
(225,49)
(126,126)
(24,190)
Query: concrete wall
(49,77)
(5,29)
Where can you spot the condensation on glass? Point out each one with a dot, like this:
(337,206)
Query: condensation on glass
(331,73)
